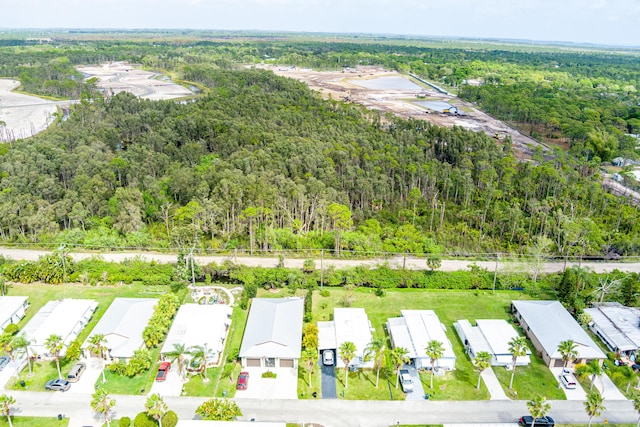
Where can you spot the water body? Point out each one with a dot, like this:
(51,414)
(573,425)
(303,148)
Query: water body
(438,106)
(387,83)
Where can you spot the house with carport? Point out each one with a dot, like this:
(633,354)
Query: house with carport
(492,336)
(348,325)
(12,310)
(273,335)
(413,330)
(547,324)
(122,326)
(65,317)
(618,327)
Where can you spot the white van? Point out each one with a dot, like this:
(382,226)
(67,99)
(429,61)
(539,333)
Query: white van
(568,381)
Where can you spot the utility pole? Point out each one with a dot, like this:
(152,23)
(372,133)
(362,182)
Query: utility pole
(321,269)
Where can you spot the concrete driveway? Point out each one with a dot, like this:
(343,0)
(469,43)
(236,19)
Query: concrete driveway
(284,386)
(86,383)
(418,391)
(172,386)
(577,393)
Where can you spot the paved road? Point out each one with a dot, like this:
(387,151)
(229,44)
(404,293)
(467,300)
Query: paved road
(330,412)
(394,262)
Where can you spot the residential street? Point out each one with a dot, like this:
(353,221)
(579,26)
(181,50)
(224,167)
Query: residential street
(332,412)
(327,261)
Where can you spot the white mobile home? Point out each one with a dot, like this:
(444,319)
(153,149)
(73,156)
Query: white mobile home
(492,336)
(12,310)
(413,331)
(617,326)
(348,325)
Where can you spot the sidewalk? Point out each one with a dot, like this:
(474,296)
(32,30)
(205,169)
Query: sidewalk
(493,385)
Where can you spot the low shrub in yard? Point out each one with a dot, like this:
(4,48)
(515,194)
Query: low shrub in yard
(169,419)
(269,374)
(124,422)
(143,420)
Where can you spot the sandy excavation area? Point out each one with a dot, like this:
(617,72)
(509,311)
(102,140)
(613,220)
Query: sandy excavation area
(22,116)
(118,77)
(388,91)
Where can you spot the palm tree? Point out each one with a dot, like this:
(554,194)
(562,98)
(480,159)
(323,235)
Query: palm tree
(538,408)
(376,351)
(568,351)
(593,405)
(482,361)
(54,345)
(97,345)
(102,403)
(399,356)
(200,354)
(347,353)
(5,402)
(21,342)
(517,348)
(178,355)
(596,371)
(156,407)
(309,358)
(636,406)
(435,351)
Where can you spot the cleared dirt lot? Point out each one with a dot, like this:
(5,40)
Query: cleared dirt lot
(23,115)
(401,100)
(118,77)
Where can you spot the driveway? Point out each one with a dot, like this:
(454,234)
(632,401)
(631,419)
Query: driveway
(284,386)
(86,383)
(493,385)
(608,389)
(9,373)
(328,382)
(172,386)
(577,393)
(418,391)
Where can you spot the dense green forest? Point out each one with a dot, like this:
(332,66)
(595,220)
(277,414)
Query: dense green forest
(260,162)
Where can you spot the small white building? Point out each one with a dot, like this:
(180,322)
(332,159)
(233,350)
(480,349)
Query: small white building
(200,325)
(66,318)
(348,325)
(492,336)
(122,326)
(12,310)
(273,335)
(413,331)
(617,326)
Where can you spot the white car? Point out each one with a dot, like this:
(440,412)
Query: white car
(568,381)
(327,358)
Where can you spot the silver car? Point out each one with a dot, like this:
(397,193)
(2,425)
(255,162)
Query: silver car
(4,361)
(57,385)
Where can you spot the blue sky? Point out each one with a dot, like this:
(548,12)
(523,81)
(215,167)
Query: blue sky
(587,21)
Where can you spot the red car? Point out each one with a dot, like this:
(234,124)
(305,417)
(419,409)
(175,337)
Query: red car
(243,381)
(163,370)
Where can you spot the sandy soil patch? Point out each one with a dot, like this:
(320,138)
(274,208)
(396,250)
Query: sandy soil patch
(399,100)
(118,77)
(23,115)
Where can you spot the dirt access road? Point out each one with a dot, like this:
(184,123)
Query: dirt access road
(393,261)
(401,100)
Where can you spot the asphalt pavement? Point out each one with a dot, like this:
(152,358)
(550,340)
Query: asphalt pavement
(328,382)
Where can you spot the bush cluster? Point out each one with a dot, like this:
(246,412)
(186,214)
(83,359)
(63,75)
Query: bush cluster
(138,364)
(308,306)
(160,321)
(52,269)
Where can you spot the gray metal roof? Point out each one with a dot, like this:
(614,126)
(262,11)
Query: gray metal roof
(551,323)
(9,305)
(327,336)
(199,324)
(422,326)
(274,328)
(122,325)
(618,324)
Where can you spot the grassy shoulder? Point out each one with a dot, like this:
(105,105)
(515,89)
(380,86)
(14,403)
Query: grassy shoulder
(34,422)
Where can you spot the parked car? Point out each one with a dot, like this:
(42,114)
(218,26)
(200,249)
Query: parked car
(57,385)
(327,358)
(568,381)
(76,372)
(527,421)
(4,361)
(406,381)
(243,381)
(163,370)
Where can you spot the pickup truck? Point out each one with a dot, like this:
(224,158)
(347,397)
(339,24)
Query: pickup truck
(405,380)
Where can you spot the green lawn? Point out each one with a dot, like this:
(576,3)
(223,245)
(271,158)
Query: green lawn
(450,306)
(304,391)
(362,386)
(530,381)
(34,422)
(42,372)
